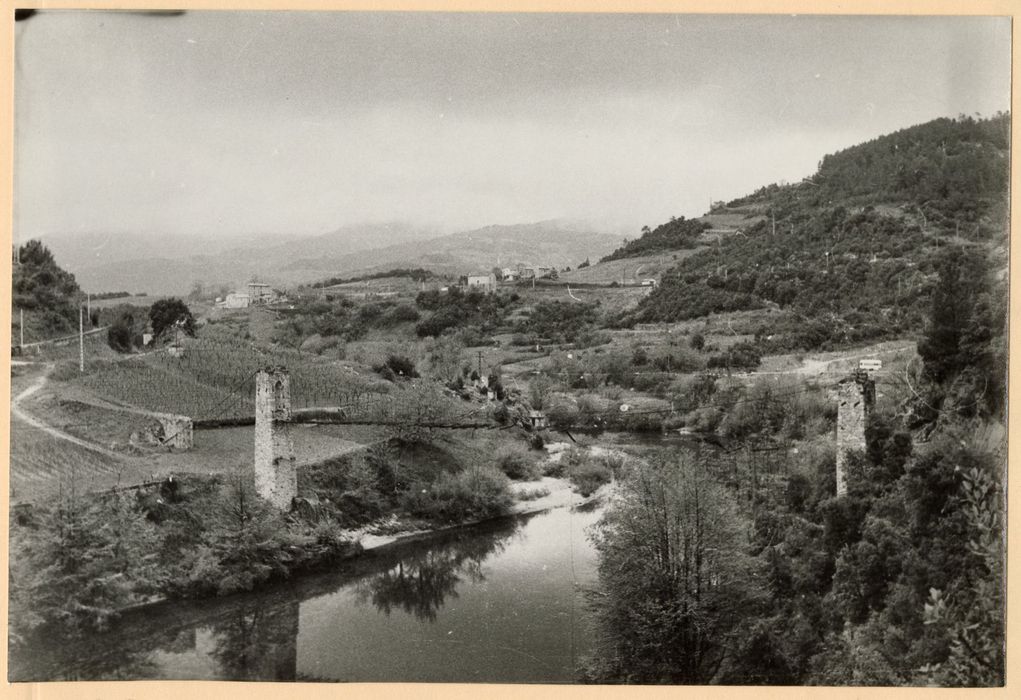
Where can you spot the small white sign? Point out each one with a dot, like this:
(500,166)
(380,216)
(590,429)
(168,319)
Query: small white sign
(870,365)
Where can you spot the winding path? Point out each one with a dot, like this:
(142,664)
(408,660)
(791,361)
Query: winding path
(18,412)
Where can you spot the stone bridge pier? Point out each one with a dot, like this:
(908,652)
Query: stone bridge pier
(856,399)
(275,475)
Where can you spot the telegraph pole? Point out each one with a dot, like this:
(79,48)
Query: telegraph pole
(81,341)
(21,329)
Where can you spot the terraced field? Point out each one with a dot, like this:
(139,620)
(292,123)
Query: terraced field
(214,378)
(42,465)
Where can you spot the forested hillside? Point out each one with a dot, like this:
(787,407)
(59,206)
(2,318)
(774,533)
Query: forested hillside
(675,234)
(853,247)
(900,580)
(45,292)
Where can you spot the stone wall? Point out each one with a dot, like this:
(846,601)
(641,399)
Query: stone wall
(856,397)
(275,475)
(177,431)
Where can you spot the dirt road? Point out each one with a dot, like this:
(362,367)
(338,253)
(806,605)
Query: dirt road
(18,412)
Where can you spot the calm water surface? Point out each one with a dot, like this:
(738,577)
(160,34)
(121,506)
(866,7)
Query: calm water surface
(503,602)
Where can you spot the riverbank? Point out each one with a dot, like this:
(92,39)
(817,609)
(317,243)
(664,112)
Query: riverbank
(501,601)
(559,493)
(247,551)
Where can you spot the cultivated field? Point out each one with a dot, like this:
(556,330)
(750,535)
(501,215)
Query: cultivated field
(214,378)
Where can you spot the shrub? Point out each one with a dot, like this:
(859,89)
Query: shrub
(517,463)
(318,344)
(473,494)
(589,475)
(555,468)
(121,333)
(403,313)
(562,414)
(641,422)
(396,366)
(704,420)
(78,561)
(533,494)
(737,356)
(353,488)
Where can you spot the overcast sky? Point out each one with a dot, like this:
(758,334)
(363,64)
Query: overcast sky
(296,123)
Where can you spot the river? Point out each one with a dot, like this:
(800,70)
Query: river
(499,602)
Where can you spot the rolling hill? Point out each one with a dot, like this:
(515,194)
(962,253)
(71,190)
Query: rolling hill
(854,251)
(102,264)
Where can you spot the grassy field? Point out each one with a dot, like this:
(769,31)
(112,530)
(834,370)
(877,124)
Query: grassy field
(628,270)
(739,218)
(42,465)
(132,300)
(214,378)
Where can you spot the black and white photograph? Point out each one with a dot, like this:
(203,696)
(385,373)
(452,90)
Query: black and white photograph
(509,347)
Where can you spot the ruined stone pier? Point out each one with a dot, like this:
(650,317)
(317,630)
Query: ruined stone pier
(856,398)
(275,475)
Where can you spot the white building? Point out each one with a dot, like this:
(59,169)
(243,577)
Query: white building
(536,272)
(237,300)
(486,283)
(259,293)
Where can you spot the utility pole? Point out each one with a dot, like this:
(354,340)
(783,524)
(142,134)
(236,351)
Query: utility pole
(81,341)
(21,340)
(480,364)
(88,302)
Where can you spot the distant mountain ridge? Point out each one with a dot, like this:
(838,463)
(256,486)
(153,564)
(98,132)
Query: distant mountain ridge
(552,243)
(118,261)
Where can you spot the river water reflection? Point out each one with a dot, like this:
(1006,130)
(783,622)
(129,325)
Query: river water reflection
(502,602)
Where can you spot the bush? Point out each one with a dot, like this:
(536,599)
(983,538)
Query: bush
(533,494)
(588,475)
(354,488)
(641,422)
(472,494)
(403,313)
(78,561)
(396,366)
(318,344)
(562,414)
(517,464)
(121,333)
(704,420)
(737,356)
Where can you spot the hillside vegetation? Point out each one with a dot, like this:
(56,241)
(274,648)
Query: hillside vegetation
(46,293)
(854,251)
(675,234)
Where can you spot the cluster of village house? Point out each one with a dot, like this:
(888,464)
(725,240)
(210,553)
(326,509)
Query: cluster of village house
(258,293)
(487,280)
(262,293)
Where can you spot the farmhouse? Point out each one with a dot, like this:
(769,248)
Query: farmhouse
(237,300)
(536,272)
(486,282)
(259,293)
(510,274)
